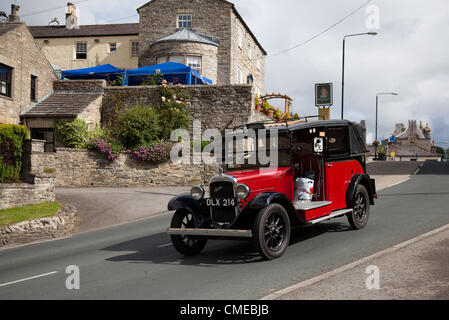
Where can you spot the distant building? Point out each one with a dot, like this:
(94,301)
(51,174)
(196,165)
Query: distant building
(26,75)
(412,143)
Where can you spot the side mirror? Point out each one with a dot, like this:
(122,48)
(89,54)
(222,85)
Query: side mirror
(318,145)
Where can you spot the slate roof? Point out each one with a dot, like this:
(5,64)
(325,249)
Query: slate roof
(96,30)
(61,105)
(186,35)
(411,131)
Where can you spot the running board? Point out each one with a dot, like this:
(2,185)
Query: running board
(334,214)
(309,205)
(210,232)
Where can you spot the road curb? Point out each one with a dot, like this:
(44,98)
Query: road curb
(282,292)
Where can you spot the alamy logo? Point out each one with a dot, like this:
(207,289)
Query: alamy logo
(73,280)
(373,280)
(373,20)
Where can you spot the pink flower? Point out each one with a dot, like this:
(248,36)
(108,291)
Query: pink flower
(163,99)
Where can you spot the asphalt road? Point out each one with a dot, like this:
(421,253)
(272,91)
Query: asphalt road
(136,261)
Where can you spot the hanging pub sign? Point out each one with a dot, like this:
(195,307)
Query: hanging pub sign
(323,94)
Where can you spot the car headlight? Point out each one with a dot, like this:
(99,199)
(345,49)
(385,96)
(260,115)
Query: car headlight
(197,192)
(242,191)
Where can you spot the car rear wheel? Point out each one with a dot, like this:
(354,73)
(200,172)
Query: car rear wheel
(186,245)
(271,231)
(358,218)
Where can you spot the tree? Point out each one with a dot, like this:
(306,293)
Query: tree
(442,152)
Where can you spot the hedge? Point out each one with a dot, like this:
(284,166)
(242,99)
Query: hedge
(11,148)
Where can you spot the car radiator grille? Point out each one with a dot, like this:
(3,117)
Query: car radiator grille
(222,189)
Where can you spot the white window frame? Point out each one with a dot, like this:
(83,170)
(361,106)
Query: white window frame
(250,49)
(161,60)
(240,37)
(189,19)
(113,44)
(80,51)
(132,47)
(198,68)
(240,76)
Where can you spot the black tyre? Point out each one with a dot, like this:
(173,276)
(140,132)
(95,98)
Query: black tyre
(186,245)
(271,231)
(358,218)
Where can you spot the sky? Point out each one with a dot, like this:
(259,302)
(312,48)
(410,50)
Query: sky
(408,56)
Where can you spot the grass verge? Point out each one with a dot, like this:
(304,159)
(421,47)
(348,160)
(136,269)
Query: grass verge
(34,211)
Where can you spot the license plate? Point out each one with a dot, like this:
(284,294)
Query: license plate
(221,202)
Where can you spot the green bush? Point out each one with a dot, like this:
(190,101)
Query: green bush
(173,111)
(72,134)
(139,126)
(11,148)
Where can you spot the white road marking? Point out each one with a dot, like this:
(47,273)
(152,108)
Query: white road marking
(329,274)
(395,184)
(165,245)
(30,278)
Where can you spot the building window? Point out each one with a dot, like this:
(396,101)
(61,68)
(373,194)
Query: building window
(113,47)
(33,88)
(161,60)
(185,21)
(194,63)
(250,49)
(81,50)
(258,62)
(178,59)
(5,80)
(239,76)
(240,37)
(134,48)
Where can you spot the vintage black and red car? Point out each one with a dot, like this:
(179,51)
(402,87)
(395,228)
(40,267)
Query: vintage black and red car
(321,174)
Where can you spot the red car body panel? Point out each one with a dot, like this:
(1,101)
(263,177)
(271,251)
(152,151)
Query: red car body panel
(338,175)
(265,180)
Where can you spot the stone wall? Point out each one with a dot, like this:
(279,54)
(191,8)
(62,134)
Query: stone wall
(62,224)
(217,106)
(18,51)
(91,86)
(21,194)
(82,168)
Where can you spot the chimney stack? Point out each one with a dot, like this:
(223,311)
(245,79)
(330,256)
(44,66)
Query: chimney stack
(14,17)
(71,17)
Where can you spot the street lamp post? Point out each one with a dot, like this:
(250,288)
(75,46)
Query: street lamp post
(343,66)
(377,112)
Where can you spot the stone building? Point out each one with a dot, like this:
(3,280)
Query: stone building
(208,35)
(90,45)
(26,76)
(72,46)
(412,143)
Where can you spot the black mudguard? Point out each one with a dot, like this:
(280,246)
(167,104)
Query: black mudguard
(263,200)
(360,179)
(183,201)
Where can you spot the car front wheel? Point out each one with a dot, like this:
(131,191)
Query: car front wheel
(186,245)
(271,231)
